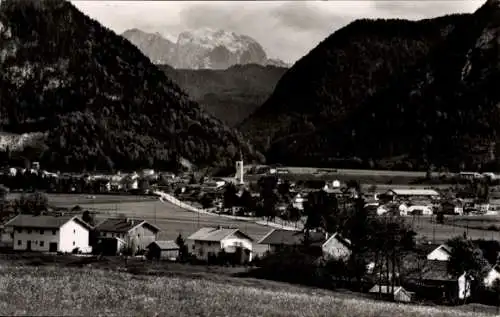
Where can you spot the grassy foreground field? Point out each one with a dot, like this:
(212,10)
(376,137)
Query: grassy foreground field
(55,291)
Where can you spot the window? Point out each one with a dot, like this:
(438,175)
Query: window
(73,242)
(41,231)
(19,230)
(12,236)
(41,243)
(29,231)
(19,242)
(74,230)
(54,232)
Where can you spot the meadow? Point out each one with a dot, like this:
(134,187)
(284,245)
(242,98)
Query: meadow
(171,219)
(56,291)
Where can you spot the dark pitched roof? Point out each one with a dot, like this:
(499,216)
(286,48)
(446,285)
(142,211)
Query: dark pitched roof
(434,271)
(215,234)
(43,222)
(123,225)
(288,237)
(166,245)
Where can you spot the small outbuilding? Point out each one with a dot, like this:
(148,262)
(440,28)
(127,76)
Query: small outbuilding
(164,250)
(399,295)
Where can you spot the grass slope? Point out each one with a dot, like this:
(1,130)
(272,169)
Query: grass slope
(63,291)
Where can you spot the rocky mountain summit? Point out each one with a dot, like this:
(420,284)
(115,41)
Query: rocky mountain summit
(201,49)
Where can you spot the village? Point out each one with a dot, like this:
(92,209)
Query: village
(421,271)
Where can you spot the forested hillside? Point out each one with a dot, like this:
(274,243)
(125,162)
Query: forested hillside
(347,102)
(231,94)
(100,101)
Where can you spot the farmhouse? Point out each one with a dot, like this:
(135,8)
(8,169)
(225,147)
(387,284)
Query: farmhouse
(399,295)
(441,253)
(209,242)
(49,233)
(165,250)
(406,194)
(492,275)
(334,246)
(434,282)
(136,232)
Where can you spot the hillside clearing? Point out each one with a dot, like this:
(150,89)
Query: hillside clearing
(62,291)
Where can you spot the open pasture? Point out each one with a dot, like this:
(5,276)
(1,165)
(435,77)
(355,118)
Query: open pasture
(483,222)
(56,291)
(70,200)
(171,219)
(431,231)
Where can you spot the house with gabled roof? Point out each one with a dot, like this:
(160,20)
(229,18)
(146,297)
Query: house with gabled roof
(136,232)
(49,233)
(441,253)
(330,246)
(411,193)
(434,281)
(167,250)
(209,242)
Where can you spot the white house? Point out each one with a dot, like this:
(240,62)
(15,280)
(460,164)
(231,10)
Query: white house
(492,275)
(49,233)
(441,253)
(209,241)
(419,210)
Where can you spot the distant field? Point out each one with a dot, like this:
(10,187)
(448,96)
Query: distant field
(70,200)
(440,233)
(171,219)
(56,291)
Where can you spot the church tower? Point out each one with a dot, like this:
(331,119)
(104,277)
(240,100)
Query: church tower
(239,170)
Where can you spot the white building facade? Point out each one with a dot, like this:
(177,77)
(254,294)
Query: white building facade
(49,234)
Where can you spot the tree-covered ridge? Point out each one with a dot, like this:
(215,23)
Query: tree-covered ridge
(232,94)
(318,111)
(99,98)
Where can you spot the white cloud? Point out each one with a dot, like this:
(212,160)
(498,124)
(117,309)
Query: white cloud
(286,29)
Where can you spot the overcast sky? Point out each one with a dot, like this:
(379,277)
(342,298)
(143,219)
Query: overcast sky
(286,29)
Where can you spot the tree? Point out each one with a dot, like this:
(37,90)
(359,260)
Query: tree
(88,218)
(229,198)
(206,201)
(143,184)
(467,258)
(496,290)
(294,214)
(284,188)
(246,200)
(440,218)
(322,212)
(35,203)
(183,249)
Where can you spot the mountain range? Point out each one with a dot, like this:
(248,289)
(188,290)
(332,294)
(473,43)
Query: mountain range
(390,94)
(202,48)
(377,94)
(96,99)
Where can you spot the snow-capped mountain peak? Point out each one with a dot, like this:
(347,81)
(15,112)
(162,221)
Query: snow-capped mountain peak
(203,48)
(210,39)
